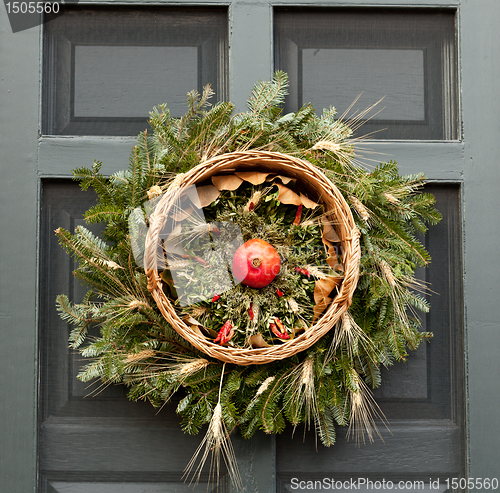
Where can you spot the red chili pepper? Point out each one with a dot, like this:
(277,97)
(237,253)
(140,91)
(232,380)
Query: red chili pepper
(225,333)
(251,206)
(279,293)
(200,261)
(298,216)
(215,298)
(300,270)
(250,313)
(278,329)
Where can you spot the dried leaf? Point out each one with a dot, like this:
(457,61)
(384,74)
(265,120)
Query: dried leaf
(285,179)
(297,331)
(320,307)
(175,232)
(286,196)
(207,194)
(174,248)
(333,261)
(254,177)
(197,331)
(257,341)
(335,264)
(323,287)
(307,202)
(210,333)
(188,319)
(329,233)
(226,182)
(198,328)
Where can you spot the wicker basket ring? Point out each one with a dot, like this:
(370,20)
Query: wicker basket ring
(318,187)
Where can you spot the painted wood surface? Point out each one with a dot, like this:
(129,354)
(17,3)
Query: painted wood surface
(472,162)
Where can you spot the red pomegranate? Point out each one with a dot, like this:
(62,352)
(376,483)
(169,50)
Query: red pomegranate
(256,263)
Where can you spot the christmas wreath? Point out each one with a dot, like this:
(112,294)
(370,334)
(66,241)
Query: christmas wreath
(255,257)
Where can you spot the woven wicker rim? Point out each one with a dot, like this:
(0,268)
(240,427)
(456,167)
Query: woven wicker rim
(322,189)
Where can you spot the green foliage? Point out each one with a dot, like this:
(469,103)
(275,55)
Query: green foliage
(138,348)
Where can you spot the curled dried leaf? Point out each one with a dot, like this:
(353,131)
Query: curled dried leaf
(329,234)
(286,196)
(323,287)
(257,340)
(319,308)
(190,320)
(307,202)
(285,179)
(196,329)
(207,332)
(322,290)
(172,246)
(207,194)
(254,177)
(335,264)
(226,182)
(297,331)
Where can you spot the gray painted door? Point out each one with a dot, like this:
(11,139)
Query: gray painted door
(470,162)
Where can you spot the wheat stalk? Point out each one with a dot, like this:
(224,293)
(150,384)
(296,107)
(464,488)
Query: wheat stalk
(253,201)
(189,367)
(199,311)
(154,191)
(364,411)
(360,208)
(391,198)
(215,442)
(264,385)
(294,306)
(350,335)
(138,304)
(316,272)
(304,393)
(387,273)
(140,356)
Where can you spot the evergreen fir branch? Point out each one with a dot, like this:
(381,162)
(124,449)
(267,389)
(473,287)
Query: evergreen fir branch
(325,427)
(135,171)
(268,95)
(95,179)
(82,316)
(370,371)
(196,107)
(104,213)
(390,213)
(90,251)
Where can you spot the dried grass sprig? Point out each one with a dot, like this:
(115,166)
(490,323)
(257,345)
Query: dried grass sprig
(362,211)
(364,411)
(215,442)
(349,335)
(304,392)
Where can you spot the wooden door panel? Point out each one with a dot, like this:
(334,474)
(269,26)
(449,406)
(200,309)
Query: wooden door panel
(93,439)
(422,398)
